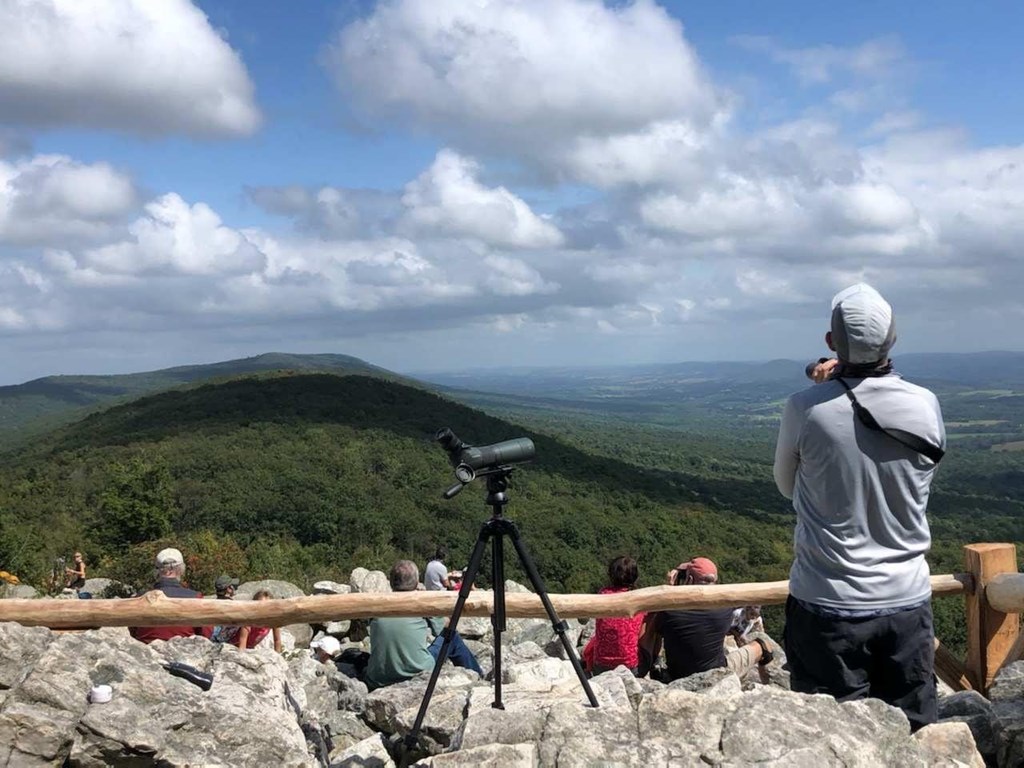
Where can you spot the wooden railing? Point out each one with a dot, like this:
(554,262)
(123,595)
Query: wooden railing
(993,589)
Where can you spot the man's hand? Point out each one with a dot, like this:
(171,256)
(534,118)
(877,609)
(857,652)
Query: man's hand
(823,370)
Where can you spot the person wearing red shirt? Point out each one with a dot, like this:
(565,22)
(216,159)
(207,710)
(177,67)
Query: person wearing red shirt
(616,640)
(170,569)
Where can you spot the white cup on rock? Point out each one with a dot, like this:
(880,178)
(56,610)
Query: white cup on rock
(101,694)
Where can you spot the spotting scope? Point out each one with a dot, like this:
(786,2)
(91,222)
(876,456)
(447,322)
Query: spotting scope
(469,460)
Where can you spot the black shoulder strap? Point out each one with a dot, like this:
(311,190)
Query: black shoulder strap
(909,439)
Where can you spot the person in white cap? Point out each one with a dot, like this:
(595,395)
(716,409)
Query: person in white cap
(169,567)
(325,648)
(857,454)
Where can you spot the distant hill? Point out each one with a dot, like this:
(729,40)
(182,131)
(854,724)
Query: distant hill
(732,396)
(35,406)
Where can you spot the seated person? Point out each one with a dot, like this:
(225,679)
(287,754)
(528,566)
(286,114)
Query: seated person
(250,637)
(170,569)
(76,574)
(615,641)
(746,623)
(695,639)
(401,648)
(325,648)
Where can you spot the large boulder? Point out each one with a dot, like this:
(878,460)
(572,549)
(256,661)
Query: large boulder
(1007,696)
(330,588)
(153,717)
(369,581)
(276,587)
(17,591)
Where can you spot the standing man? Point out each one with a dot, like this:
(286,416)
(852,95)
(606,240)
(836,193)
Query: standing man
(859,617)
(435,575)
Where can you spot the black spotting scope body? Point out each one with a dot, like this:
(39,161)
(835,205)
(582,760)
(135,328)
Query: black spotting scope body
(477,457)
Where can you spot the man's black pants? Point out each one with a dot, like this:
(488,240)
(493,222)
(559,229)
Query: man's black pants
(891,658)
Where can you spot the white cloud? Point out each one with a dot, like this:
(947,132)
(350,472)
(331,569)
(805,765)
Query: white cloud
(512,277)
(176,237)
(582,88)
(672,151)
(873,59)
(153,67)
(447,199)
(49,198)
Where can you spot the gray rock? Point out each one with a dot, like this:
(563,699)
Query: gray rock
(338,628)
(356,578)
(949,744)
(964,703)
(46,717)
(96,587)
(393,709)
(276,587)
(1008,684)
(331,588)
(371,752)
(371,582)
(301,634)
(476,628)
(487,756)
(17,591)
(714,682)
(974,710)
(816,728)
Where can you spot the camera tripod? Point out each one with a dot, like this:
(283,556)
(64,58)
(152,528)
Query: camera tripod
(496,529)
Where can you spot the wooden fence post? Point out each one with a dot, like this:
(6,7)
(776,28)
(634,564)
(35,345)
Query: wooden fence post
(990,633)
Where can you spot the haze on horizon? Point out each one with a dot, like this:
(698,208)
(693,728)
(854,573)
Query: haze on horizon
(441,185)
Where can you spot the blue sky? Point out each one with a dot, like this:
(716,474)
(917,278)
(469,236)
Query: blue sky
(433,184)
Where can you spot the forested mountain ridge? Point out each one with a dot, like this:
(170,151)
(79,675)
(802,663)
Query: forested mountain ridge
(31,408)
(304,475)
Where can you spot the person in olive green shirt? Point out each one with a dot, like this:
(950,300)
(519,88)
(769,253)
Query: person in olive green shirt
(401,648)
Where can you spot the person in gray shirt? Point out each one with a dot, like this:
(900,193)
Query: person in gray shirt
(858,619)
(435,575)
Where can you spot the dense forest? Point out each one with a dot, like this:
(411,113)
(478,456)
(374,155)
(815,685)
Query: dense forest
(304,476)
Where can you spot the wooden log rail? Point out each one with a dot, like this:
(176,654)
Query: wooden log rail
(154,609)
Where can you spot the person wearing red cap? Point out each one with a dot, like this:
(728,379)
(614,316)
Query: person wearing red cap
(695,640)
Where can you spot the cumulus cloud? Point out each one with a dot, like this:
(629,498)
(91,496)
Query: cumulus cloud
(581,87)
(177,237)
(50,198)
(331,212)
(448,199)
(135,65)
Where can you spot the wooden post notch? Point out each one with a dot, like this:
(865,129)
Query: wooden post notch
(991,633)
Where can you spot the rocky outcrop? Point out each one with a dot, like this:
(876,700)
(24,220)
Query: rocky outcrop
(265,709)
(268,709)
(154,718)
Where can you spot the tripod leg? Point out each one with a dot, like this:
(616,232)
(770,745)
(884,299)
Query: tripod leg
(467,583)
(498,617)
(556,623)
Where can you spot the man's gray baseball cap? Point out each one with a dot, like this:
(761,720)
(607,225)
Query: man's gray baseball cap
(863,328)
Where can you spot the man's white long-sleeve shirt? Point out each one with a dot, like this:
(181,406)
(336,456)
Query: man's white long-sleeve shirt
(860,497)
